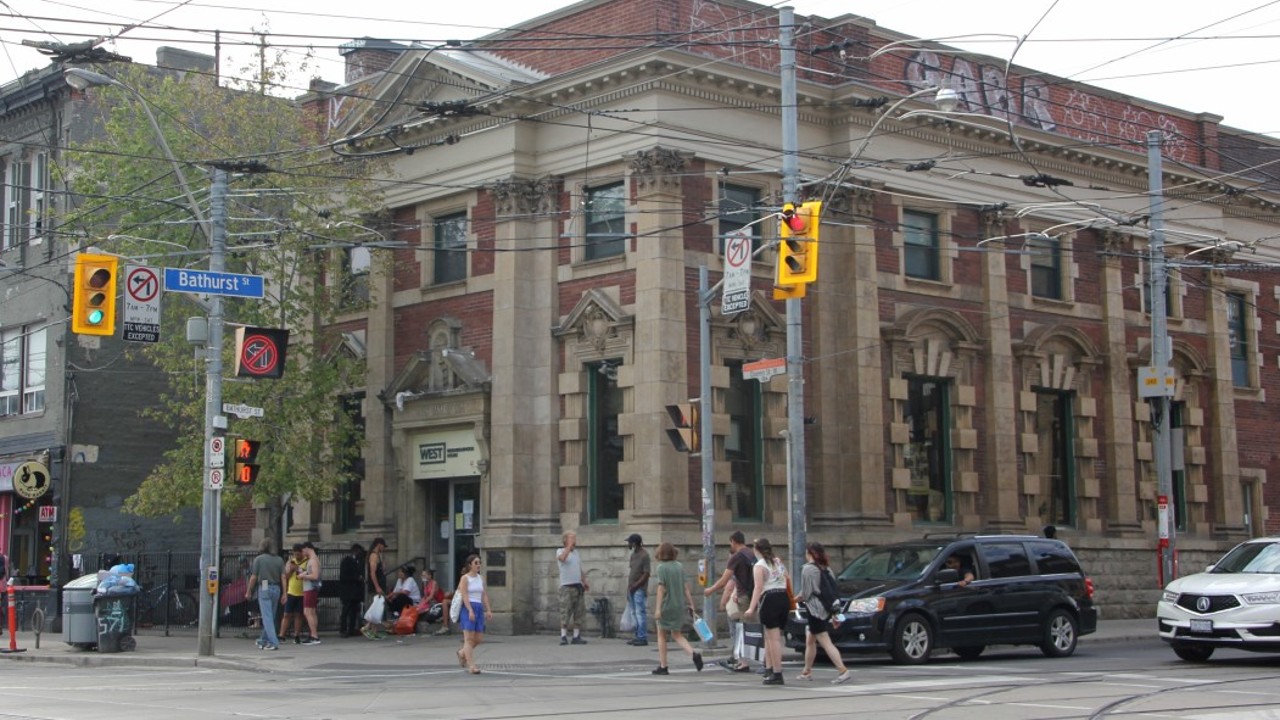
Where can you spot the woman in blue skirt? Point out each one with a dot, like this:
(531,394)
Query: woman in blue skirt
(475,611)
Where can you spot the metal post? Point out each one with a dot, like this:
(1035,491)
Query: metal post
(214,422)
(795,370)
(1160,435)
(708,443)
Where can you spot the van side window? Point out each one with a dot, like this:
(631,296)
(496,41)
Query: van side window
(1006,559)
(1053,558)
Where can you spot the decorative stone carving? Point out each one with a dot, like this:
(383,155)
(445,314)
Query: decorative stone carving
(522,196)
(992,219)
(1114,243)
(659,168)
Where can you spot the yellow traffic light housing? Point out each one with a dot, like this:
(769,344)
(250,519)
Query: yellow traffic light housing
(244,469)
(93,296)
(798,249)
(685,435)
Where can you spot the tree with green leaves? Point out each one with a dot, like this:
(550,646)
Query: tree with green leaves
(293,223)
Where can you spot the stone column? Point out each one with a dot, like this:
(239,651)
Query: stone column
(1117,436)
(1000,483)
(523,471)
(665,351)
(1224,461)
(848,387)
(382,478)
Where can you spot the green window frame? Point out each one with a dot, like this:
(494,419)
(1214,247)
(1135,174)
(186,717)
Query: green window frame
(1055,427)
(921,252)
(605,222)
(604,444)
(743,448)
(928,451)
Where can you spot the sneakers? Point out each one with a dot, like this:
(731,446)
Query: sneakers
(773,678)
(311,641)
(443,631)
(660,670)
(842,678)
(697,661)
(271,647)
(564,640)
(638,642)
(807,677)
(577,641)
(297,641)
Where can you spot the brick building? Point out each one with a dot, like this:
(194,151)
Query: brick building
(971,346)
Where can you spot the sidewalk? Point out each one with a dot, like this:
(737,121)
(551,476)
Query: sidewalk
(238,653)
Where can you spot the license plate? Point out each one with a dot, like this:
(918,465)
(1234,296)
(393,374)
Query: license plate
(1202,626)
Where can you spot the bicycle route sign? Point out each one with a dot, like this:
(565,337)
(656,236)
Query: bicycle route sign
(141,304)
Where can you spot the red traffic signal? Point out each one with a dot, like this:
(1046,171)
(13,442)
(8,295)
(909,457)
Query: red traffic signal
(245,466)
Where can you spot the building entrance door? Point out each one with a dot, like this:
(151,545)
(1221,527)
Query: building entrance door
(455,523)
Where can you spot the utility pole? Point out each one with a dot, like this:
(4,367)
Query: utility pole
(1162,447)
(215,422)
(795,338)
(707,458)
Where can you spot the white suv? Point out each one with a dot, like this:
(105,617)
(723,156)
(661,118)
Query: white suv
(1235,604)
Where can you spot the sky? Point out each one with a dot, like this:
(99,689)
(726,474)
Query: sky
(1196,56)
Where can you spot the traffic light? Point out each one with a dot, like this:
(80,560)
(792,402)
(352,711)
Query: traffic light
(685,435)
(244,469)
(93,301)
(798,250)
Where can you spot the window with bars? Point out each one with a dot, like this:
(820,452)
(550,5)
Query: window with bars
(450,243)
(921,253)
(605,222)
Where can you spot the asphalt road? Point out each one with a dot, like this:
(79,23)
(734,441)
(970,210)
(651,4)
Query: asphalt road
(1110,680)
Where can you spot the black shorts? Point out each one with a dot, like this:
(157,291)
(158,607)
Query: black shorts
(817,626)
(774,607)
(292,604)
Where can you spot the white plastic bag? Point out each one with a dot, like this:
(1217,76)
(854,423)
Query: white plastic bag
(628,622)
(455,609)
(376,608)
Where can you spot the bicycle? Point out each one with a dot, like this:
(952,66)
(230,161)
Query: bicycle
(165,605)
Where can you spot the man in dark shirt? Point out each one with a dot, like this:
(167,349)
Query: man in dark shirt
(638,588)
(351,590)
(737,571)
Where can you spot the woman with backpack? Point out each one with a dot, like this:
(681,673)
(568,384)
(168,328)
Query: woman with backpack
(813,576)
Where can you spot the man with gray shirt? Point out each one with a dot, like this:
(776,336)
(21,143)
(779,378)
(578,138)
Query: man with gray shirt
(265,576)
(573,589)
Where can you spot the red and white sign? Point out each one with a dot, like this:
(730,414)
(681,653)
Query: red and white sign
(762,370)
(141,315)
(215,479)
(217,452)
(735,296)
(48,513)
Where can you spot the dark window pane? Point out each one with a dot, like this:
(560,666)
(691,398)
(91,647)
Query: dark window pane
(742,446)
(1006,559)
(1053,464)
(605,222)
(928,450)
(1046,268)
(1052,558)
(1237,306)
(605,442)
(450,249)
(921,257)
(738,209)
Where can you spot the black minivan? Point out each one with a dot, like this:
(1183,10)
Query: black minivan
(1008,590)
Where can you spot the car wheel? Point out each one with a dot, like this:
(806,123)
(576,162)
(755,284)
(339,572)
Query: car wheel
(912,640)
(969,652)
(1060,634)
(1193,653)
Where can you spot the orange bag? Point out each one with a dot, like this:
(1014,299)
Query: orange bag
(407,623)
(791,597)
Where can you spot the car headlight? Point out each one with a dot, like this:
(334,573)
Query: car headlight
(1266,598)
(865,606)
(1169,597)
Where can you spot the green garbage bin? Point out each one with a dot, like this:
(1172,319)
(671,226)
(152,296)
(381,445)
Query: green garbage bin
(117,617)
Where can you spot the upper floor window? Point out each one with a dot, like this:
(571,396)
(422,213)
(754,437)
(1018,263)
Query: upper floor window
(39,199)
(1046,267)
(22,371)
(605,222)
(737,211)
(921,252)
(450,246)
(1237,332)
(356,262)
(17,195)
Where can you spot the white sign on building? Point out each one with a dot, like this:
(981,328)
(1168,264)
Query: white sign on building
(449,452)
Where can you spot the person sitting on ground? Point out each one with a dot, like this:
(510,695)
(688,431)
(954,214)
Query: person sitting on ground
(405,593)
(432,607)
(961,565)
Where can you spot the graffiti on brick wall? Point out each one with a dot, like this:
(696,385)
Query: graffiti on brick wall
(125,541)
(985,90)
(733,34)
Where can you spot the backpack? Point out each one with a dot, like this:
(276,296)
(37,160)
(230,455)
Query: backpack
(828,591)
